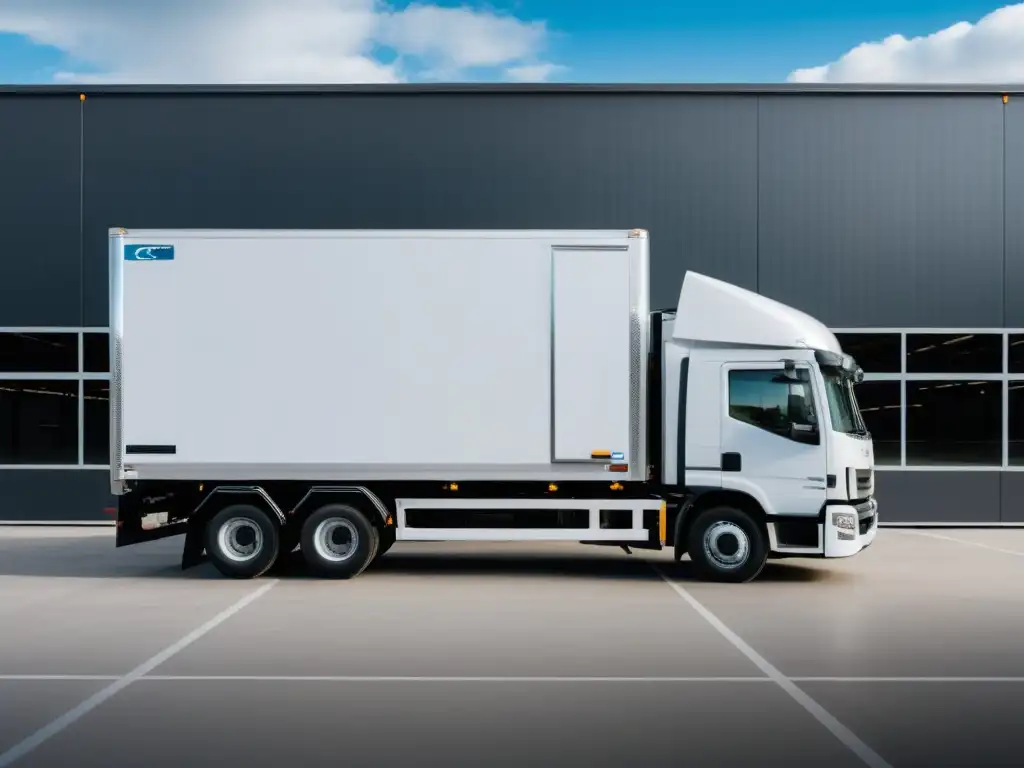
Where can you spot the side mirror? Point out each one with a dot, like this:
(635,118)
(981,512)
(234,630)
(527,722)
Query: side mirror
(804,433)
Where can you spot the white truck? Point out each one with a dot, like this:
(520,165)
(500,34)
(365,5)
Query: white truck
(340,391)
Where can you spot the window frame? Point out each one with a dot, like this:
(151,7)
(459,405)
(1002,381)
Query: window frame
(80,376)
(903,377)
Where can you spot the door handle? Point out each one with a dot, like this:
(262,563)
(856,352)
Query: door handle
(732,462)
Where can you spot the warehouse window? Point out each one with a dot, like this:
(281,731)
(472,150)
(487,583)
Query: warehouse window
(40,352)
(880,406)
(954,353)
(945,400)
(54,398)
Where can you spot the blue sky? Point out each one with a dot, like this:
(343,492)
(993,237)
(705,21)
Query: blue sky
(566,40)
(728,40)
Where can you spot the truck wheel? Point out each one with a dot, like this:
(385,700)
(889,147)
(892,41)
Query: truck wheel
(338,541)
(387,540)
(242,541)
(727,544)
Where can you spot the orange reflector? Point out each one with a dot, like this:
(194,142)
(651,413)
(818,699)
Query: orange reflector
(616,486)
(600,454)
(389,521)
(552,487)
(618,467)
(663,523)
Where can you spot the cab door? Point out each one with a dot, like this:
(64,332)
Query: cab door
(772,442)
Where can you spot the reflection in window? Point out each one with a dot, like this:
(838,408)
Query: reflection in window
(874,352)
(1016,353)
(880,407)
(38,422)
(954,423)
(38,352)
(954,353)
(767,400)
(96,426)
(1015,425)
(95,353)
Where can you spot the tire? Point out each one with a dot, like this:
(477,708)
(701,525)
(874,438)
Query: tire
(330,557)
(387,540)
(726,544)
(242,541)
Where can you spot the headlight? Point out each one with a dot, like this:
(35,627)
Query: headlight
(844,520)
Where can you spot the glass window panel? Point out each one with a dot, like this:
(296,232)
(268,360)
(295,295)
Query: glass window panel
(1016,353)
(954,353)
(95,353)
(954,423)
(96,432)
(1015,408)
(38,352)
(874,352)
(880,406)
(38,422)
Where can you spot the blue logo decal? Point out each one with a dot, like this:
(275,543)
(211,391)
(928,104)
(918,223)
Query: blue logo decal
(618,456)
(149,253)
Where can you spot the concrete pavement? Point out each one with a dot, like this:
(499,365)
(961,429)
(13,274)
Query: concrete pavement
(907,655)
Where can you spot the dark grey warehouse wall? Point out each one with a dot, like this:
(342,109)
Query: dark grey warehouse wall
(877,211)
(41,495)
(40,240)
(865,210)
(1014,205)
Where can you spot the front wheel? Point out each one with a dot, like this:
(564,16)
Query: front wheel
(387,540)
(242,541)
(727,544)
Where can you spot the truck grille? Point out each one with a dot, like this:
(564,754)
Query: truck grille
(865,482)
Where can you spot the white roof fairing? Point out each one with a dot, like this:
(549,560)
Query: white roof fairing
(713,311)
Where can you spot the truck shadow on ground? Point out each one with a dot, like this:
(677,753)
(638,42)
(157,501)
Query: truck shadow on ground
(527,565)
(98,559)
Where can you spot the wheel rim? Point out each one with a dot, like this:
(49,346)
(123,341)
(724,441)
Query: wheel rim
(240,539)
(336,540)
(727,545)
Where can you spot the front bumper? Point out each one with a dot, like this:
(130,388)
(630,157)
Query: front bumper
(850,528)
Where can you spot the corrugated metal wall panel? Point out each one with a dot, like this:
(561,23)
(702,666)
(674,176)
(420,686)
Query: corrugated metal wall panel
(877,211)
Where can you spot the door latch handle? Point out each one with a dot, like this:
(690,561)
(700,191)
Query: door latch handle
(731,462)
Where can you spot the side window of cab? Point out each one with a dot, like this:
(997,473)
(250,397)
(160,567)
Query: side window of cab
(770,400)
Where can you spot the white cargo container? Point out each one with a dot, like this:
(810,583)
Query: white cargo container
(341,390)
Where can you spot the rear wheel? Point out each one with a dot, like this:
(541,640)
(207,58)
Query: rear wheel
(727,544)
(338,541)
(242,541)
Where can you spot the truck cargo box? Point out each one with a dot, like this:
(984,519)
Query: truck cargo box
(378,355)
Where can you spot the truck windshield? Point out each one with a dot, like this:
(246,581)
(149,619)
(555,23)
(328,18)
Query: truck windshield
(842,404)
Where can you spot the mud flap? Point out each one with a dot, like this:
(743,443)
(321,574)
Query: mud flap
(192,552)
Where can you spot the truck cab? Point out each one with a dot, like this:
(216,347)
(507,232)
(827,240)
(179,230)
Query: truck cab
(761,427)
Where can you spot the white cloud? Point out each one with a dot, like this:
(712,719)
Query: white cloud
(990,51)
(532,73)
(271,41)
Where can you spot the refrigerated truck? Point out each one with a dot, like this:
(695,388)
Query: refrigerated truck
(338,392)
